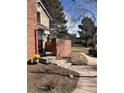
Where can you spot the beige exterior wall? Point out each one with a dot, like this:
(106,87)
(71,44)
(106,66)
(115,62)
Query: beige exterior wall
(44,18)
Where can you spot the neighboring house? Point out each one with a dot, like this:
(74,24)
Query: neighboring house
(38,20)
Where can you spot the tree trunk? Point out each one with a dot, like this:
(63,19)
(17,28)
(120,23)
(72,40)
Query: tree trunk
(93,41)
(86,42)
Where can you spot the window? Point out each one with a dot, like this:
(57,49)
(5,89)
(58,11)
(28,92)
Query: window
(38,18)
(40,34)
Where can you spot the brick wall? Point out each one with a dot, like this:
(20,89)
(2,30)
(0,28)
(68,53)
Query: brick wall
(31,26)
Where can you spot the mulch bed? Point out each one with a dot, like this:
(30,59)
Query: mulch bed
(50,79)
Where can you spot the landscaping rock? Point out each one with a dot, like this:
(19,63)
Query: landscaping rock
(78,59)
(71,76)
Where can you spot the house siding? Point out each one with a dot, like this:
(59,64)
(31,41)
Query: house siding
(44,18)
(31,26)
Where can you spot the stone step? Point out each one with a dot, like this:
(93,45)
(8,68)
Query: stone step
(48,52)
(49,57)
(52,59)
(66,65)
(59,62)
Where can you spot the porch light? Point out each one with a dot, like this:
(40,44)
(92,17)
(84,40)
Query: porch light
(46,32)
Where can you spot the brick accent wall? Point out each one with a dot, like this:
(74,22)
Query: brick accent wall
(31,26)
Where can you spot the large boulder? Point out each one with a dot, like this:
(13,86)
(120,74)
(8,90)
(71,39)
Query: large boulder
(78,59)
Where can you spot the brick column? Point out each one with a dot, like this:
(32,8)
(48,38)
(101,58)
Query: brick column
(31,26)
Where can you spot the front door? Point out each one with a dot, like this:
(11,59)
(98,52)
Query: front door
(40,48)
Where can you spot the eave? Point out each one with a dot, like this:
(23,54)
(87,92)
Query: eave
(38,1)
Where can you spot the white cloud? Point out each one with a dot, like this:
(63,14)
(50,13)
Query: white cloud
(72,24)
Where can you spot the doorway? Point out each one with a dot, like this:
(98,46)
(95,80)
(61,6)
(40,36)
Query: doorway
(40,48)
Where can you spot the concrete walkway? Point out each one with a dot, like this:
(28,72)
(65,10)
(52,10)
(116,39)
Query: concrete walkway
(91,60)
(88,76)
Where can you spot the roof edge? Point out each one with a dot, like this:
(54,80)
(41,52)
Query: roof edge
(38,1)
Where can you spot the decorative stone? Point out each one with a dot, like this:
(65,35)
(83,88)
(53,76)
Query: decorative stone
(71,76)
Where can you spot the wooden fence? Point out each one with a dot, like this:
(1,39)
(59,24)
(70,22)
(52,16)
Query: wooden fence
(60,47)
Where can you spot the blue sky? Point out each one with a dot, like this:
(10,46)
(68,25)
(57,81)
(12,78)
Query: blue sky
(74,13)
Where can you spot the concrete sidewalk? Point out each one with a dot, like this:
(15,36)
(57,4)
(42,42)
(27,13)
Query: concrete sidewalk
(88,76)
(91,60)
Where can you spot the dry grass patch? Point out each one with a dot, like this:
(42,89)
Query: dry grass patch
(80,49)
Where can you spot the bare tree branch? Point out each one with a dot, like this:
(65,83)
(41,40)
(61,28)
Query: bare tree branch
(90,1)
(87,1)
(84,10)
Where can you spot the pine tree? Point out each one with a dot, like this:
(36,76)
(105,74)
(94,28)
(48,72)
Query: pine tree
(88,30)
(56,11)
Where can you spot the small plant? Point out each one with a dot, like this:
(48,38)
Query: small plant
(52,82)
(36,58)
